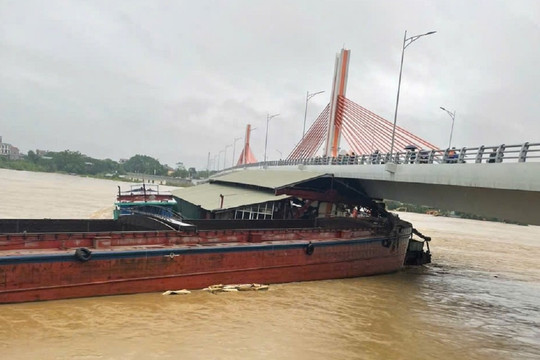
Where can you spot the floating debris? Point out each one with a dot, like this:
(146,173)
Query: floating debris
(235,287)
(226,289)
(177,292)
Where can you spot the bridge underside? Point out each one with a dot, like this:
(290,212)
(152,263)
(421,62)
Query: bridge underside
(504,191)
(510,205)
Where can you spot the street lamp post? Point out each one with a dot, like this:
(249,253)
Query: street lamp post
(225,156)
(280,154)
(406,42)
(268,117)
(234,150)
(216,163)
(308,97)
(453,116)
(219,157)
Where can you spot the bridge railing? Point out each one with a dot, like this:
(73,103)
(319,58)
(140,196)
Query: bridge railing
(526,152)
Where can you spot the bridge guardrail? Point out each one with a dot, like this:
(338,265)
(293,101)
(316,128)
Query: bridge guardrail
(526,152)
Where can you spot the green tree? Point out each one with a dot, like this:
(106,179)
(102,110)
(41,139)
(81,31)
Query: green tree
(32,156)
(180,173)
(145,165)
(69,161)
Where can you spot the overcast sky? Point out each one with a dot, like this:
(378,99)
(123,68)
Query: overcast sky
(176,80)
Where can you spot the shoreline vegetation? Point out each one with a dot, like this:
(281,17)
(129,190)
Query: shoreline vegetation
(75,163)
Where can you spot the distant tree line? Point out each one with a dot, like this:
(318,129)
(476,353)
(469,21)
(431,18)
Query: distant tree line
(73,162)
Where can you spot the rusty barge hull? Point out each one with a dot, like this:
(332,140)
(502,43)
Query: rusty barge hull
(45,266)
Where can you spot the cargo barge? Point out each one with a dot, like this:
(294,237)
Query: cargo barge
(58,259)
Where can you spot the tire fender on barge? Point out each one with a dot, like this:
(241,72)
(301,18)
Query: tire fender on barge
(83,254)
(310,248)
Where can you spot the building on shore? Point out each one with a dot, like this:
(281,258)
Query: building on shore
(9,151)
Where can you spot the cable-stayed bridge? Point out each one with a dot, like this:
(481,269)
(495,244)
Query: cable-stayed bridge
(389,162)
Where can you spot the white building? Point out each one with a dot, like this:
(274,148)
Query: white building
(9,150)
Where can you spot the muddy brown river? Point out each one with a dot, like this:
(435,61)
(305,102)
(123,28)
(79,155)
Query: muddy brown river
(479,299)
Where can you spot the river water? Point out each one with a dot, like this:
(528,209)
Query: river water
(479,299)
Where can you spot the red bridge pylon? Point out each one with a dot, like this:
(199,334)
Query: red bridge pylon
(363,131)
(246,156)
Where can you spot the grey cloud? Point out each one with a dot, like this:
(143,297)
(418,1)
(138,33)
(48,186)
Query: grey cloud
(177,80)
